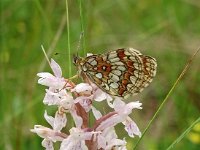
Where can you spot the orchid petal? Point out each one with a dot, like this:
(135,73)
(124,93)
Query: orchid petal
(51,98)
(118,104)
(48,133)
(77,119)
(72,144)
(97,114)
(47,144)
(59,121)
(51,81)
(110,122)
(44,75)
(49,119)
(99,95)
(116,142)
(82,87)
(85,102)
(131,127)
(101,142)
(56,69)
(109,99)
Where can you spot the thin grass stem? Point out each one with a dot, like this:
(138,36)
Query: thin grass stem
(184,133)
(45,54)
(68,40)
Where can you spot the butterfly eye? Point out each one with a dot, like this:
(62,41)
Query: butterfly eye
(75,59)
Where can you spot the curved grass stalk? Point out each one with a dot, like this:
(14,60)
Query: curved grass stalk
(167,96)
(184,134)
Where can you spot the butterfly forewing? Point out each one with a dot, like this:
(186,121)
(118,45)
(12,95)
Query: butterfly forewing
(122,72)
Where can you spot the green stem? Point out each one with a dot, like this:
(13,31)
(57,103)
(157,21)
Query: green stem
(184,133)
(68,40)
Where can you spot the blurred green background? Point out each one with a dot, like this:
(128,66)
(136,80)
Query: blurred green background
(168,30)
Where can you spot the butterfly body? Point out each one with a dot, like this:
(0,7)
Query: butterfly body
(121,72)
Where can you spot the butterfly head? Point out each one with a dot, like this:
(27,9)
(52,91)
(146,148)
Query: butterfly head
(76,59)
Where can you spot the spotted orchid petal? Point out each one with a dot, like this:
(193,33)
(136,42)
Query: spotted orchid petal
(77,119)
(47,144)
(56,69)
(131,127)
(82,87)
(76,139)
(48,133)
(120,144)
(58,122)
(49,80)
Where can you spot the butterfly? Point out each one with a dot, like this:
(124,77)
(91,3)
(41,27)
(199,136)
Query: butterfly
(122,72)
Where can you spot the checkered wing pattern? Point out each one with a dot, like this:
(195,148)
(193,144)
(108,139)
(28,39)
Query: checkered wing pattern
(121,72)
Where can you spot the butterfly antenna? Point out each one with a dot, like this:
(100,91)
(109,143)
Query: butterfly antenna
(79,42)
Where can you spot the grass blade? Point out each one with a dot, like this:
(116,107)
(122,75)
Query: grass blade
(184,134)
(68,40)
